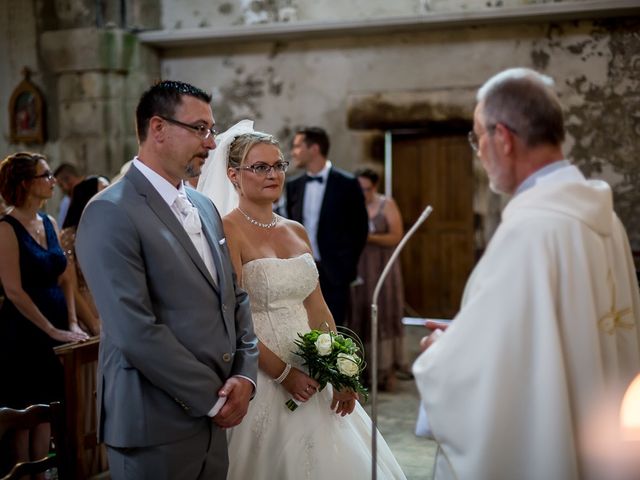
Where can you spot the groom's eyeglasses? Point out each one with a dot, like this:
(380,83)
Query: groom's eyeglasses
(201,130)
(263,169)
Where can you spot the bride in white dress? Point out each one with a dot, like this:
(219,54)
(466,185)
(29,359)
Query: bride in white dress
(329,435)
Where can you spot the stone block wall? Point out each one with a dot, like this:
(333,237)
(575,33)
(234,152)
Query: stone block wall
(91,69)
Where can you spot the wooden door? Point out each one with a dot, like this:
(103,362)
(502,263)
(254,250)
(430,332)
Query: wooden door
(437,261)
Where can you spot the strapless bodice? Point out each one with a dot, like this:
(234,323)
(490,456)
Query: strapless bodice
(277,288)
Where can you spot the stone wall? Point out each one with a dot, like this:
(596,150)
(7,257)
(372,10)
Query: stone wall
(91,70)
(87,60)
(287,83)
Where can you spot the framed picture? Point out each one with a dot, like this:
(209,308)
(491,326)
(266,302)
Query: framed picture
(26,112)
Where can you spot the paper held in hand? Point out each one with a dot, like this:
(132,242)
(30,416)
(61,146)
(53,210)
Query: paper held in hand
(421,322)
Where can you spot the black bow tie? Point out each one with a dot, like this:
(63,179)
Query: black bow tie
(318,179)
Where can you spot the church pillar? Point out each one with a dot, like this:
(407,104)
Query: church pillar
(100,70)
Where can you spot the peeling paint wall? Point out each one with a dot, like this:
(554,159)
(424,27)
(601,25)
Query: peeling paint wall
(284,84)
(220,13)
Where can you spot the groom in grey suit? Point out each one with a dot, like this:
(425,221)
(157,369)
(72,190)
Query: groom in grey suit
(177,338)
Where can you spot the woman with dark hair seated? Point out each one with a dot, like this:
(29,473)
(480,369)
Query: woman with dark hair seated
(85,307)
(38,312)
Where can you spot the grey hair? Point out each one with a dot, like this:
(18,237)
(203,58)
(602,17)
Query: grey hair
(525,102)
(241,146)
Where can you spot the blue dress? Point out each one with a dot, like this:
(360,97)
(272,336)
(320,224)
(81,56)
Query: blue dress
(30,372)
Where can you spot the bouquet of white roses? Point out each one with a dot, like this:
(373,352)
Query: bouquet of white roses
(333,358)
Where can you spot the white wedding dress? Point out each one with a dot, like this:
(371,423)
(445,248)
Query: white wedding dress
(312,442)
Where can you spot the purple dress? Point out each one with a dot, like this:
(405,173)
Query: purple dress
(390,302)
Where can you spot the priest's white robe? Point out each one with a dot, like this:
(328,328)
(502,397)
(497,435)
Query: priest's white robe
(548,337)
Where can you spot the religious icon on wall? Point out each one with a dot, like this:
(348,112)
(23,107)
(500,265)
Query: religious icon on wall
(26,112)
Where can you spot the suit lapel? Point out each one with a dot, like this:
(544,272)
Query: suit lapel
(297,200)
(327,199)
(214,233)
(165,214)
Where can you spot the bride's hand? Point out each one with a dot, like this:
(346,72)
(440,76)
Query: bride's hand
(300,385)
(344,401)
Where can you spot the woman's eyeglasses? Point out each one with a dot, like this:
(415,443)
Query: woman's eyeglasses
(46,175)
(263,169)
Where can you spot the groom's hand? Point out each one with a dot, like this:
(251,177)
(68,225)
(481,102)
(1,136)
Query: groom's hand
(238,391)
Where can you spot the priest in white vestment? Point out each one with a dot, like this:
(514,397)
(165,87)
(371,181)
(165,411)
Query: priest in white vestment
(531,372)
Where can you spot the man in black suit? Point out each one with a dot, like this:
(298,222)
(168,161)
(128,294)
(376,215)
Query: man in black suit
(330,204)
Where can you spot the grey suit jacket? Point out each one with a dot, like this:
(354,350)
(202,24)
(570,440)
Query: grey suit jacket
(170,336)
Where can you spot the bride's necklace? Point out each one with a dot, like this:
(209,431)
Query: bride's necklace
(271,224)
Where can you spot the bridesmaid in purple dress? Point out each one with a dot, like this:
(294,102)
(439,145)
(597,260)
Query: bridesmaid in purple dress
(385,232)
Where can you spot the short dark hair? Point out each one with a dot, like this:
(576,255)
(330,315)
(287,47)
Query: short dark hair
(368,173)
(161,100)
(14,171)
(66,169)
(82,193)
(315,136)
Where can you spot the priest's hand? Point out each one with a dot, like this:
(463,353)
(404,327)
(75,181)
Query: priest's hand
(438,329)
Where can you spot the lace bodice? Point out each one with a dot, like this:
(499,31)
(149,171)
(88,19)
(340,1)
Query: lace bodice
(277,288)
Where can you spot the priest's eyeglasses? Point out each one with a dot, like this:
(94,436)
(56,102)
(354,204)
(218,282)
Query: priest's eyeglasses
(263,169)
(474,139)
(200,129)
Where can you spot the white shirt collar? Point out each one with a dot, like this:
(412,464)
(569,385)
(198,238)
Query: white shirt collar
(167,191)
(536,176)
(324,173)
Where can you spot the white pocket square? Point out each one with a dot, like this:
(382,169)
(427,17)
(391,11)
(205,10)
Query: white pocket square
(222,241)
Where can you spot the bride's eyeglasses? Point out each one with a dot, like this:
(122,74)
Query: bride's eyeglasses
(263,169)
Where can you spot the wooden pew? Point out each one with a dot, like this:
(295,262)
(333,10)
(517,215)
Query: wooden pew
(87,458)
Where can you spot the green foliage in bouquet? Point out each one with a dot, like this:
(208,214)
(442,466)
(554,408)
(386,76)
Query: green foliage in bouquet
(334,358)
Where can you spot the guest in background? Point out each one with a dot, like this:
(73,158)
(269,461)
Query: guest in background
(87,313)
(385,232)
(123,169)
(38,312)
(4,208)
(85,307)
(330,205)
(67,176)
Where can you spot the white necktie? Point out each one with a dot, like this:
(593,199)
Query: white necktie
(190,217)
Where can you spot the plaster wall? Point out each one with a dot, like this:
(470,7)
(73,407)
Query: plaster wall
(18,43)
(219,13)
(595,64)
(284,84)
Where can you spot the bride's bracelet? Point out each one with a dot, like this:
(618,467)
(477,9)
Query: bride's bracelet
(283,375)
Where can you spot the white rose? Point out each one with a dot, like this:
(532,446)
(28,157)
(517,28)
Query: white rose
(324,344)
(347,364)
